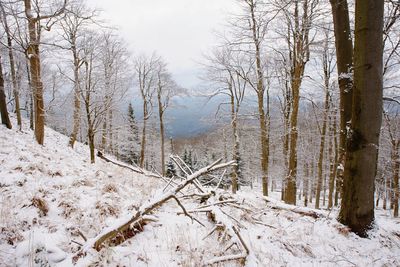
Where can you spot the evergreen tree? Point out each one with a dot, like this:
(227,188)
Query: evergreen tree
(129,150)
(190,160)
(238,169)
(171,170)
(185,159)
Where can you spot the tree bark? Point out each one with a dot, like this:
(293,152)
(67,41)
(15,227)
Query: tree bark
(306,183)
(321,156)
(357,209)
(104,133)
(3,103)
(260,95)
(35,72)
(30,96)
(91,144)
(324,127)
(235,168)
(333,149)
(396,171)
(77,101)
(299,57)
(110,132)
(143,143)
(344,55)
(12,68)
(162,131)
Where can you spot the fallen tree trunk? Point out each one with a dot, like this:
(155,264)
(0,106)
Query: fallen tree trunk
(158,200)
(131,168)
(137,170)
(274,204)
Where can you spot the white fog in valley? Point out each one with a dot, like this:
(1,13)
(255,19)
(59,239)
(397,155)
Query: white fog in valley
(199,133)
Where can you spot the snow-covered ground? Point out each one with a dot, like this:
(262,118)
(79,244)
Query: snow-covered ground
(77,197)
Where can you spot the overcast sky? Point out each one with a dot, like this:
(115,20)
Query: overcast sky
(179,30)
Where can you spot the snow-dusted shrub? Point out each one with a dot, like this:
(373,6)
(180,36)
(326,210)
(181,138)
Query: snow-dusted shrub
(68,208)
(110,188)
(106,209)
(10,235)
(41,205)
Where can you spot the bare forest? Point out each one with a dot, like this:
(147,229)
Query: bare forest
(278,144)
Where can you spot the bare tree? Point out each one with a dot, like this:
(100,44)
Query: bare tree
(392,122)
(12,65)
(34,19)
(299,18)
(230,72)
(114,63)
(251,29)
(76,20)
(3,103)
(165,91)
(145,70)
(327,64)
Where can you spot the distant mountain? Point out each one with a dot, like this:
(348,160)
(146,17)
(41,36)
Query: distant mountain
(188,116)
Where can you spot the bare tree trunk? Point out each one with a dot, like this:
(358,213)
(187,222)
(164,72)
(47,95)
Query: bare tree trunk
(30,96)
(3,103)
(312,183)
(333,149)
(306,183)
(91,133)
(110,132)
(344,54)
(323,135)
(162,133)
(396,171)
(77,101)
(91,144)
(143,143)
(391,190)
(12,68)
(260,95)
(235,168)
(287,112)
(290,189)
(385,192)
(35,71)
(104,134)
(300,57)
(225,145)
(357,209)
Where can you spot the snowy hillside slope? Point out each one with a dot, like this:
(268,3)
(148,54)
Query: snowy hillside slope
(51,195)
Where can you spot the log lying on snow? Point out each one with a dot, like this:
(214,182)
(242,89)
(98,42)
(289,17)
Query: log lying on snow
(129,167)
(124,224)
(137,170)
(275,204)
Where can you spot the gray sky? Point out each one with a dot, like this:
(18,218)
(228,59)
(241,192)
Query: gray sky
(179,30)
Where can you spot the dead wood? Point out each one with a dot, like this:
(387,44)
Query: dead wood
(128,227)
(137,170)
(276,205)
(138,218)
(223,221)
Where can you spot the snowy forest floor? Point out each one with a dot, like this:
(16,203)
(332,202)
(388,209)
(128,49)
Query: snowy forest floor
(49,194)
